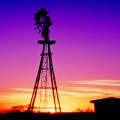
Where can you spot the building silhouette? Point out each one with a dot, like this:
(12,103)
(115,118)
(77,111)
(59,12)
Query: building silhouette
(107,108)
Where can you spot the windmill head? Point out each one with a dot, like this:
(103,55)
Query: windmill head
(41,13)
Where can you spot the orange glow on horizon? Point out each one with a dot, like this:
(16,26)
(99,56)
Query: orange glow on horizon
(74,97)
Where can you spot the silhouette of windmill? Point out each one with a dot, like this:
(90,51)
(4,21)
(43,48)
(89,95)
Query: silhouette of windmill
(45,81)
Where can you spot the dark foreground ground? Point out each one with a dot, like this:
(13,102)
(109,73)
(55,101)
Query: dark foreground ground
(44,116)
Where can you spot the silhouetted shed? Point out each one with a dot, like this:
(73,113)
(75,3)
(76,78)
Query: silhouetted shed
(107,108)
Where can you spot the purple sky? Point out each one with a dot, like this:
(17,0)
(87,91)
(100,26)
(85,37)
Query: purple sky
(87,34)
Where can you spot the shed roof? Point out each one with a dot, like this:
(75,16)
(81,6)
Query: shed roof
(109,99)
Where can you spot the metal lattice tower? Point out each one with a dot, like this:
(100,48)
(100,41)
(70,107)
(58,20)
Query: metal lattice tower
(45,92)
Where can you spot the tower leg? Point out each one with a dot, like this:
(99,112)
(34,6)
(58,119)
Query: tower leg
(36,83)
(53,81)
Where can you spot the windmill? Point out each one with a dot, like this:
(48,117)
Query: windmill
(45,86)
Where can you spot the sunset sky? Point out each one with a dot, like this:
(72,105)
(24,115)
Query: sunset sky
(86,55)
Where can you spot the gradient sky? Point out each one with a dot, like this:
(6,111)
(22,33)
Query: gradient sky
(86,55)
